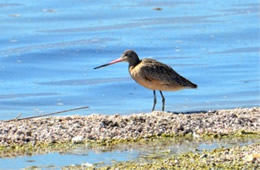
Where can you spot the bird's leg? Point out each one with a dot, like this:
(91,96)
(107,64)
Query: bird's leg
(163,100)
(154,100)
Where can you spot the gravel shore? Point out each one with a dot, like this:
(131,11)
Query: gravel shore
(107,127)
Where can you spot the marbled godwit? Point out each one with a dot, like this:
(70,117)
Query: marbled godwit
(153,75)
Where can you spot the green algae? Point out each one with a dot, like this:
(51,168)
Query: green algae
(164,159)
(214,159)
(14,149)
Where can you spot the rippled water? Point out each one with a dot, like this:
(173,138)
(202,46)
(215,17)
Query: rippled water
(49,49)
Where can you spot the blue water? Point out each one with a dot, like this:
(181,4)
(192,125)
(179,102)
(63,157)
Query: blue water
(58,160)
(49,49)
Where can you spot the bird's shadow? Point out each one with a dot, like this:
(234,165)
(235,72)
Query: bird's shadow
(192,112)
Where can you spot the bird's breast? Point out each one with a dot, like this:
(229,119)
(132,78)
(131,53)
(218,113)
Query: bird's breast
(140,79)
(139,76)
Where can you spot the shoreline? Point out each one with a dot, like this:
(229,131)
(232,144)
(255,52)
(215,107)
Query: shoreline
(42,135)
(95,127)
(241,157)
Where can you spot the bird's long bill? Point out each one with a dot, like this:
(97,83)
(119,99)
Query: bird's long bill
(112,62)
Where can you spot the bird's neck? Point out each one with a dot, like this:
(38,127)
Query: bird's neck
(134,63)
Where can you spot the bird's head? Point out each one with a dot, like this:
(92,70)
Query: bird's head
(128,56)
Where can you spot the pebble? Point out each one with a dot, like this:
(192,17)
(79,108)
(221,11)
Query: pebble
(102,127)
(77,139)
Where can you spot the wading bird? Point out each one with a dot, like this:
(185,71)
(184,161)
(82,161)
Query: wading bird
(153,74)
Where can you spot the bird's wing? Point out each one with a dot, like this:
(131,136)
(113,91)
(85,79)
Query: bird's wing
(155,71)
(163,74)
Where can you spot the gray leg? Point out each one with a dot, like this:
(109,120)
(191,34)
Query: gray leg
(163,100)
(154,100)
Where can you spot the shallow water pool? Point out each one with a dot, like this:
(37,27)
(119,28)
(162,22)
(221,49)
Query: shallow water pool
(99,156)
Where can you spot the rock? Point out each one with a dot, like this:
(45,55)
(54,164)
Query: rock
(87,164)
(77,139)
(252,157)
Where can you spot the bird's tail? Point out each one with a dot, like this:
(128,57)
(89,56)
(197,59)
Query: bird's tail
(189,84)
(194,86)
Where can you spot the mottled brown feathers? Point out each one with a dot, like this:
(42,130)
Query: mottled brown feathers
(160,74)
